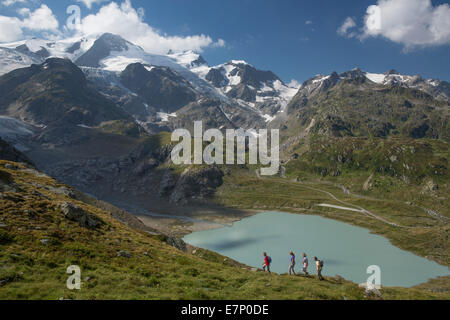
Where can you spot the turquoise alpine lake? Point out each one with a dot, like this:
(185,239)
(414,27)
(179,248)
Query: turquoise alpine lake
(346,250)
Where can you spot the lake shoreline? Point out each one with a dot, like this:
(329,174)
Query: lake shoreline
(344,256)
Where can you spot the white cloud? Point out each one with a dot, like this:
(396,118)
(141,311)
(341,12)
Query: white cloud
(24,11)
(89,3)
(42,19)
(219,44)
(8,3)
(348,24)
(412,23)
(409,22)
(308,22)
(294,84)
(121,19)
(127,22)
(10,29)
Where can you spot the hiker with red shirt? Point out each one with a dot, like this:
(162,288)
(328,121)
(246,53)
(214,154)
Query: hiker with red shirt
(267,262)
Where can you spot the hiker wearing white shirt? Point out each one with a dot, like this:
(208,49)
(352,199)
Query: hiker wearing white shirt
(305,264)
(319,265)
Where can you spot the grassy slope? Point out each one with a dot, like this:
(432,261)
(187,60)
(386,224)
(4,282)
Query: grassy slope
(30,269)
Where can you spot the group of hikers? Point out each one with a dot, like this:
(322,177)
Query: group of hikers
(319,264)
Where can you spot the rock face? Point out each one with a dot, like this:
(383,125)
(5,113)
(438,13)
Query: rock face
(216,77)
(84,219)
(6,182)
(8,152)
(160,87)
(197,184)
(167,184)
(176,243)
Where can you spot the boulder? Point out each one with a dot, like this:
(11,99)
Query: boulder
(77,214)
(176,243)
(430,186)
(124,254)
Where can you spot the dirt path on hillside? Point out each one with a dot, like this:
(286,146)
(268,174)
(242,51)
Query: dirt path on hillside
(360,209)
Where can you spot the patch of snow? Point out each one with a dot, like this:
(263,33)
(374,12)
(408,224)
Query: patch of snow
(11,59)
(185,58)
(266,88)
(232,80)
(433,83)
(313,122)
(268,117)
(376,77)
(201,71)
(286,92)
(164,117)
(84,126)
(321,79)
(239,62)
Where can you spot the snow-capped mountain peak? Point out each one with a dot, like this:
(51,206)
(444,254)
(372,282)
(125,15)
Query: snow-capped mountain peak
(189,59)
(436,88)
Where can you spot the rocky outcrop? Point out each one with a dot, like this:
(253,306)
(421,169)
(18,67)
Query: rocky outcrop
(216,77)
(77,214)
(160,87)
(368,184)
(430,186)
(197,184)
(6,182)
(168,183)
(8,152)
(176,243)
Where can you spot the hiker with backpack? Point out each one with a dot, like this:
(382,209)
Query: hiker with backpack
(305,264)
(319,265)
(292,266)
(267,262)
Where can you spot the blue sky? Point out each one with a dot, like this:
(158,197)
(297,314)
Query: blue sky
(295,39)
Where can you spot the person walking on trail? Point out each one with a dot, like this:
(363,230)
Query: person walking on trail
(319,265)
(305,264)
(292,266)
(267,262)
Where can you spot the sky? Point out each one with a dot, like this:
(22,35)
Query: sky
(296,39)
